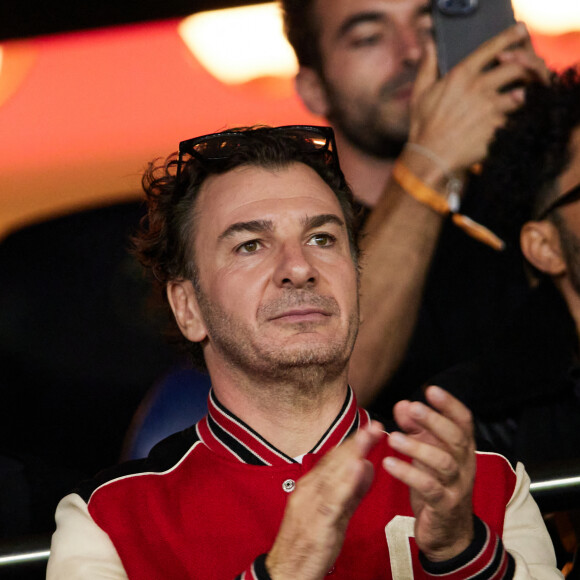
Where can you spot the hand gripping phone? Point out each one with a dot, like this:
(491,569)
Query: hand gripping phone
(462,25)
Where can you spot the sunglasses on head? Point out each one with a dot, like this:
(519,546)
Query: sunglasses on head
(568,197)
(219,146)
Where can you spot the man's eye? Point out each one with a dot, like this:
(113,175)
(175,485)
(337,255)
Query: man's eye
(249,247)
(367,40)
(321,240)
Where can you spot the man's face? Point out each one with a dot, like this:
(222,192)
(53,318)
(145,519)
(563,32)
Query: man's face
(277,284)
(370,53)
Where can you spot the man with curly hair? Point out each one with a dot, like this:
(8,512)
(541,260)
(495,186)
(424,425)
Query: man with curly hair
(525,389)
(407,141)
(250,235)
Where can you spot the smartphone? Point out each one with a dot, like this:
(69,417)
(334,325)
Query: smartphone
(462,25)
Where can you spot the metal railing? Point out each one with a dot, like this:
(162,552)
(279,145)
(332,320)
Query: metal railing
(556,486)
(24,558)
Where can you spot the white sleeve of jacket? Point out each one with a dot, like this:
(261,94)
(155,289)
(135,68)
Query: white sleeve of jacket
(80,550)
(525,535)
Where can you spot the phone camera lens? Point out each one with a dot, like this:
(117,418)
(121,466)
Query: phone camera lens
(457,7)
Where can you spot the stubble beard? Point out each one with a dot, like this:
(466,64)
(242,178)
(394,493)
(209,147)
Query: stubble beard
(365,125)
(305,368)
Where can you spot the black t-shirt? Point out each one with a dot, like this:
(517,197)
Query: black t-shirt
(470,291)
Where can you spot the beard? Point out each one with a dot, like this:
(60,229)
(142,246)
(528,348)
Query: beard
(364,123)
(304,365)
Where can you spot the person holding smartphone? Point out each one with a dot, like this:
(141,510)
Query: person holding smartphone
(434,284)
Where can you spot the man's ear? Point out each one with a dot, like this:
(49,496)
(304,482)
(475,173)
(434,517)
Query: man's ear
(540,244)
(185,306)
(311,90)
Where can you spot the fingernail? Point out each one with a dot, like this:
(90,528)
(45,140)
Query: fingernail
(362,435)
(518,95)
(418,410)
(396,439)
(389,463)
(436,393)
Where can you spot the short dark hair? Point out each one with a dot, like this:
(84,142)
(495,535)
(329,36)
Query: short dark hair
(303,31)
(164,240)
(529,154)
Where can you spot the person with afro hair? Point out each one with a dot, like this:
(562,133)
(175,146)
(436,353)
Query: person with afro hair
(525,390)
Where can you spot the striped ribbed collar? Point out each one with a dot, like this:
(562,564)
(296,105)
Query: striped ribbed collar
(228,435)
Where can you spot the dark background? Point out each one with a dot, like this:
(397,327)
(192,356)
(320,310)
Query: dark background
(38,17)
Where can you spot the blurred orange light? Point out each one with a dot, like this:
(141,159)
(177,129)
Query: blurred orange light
(553,17)
(238,45)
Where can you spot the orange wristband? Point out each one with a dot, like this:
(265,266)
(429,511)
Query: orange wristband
(419,190)
(426,195)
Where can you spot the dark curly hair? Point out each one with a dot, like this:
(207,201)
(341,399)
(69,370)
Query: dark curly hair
(529,154)
(303,32)
(164,240)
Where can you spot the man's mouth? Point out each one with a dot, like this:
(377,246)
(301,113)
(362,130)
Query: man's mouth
(400,87)
(303,314)
(404,93)
(299,307)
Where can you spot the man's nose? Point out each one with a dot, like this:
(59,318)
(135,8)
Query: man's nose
(294,267)
(410,45)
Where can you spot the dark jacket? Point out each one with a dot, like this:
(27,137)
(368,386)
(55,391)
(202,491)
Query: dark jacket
(525,390)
